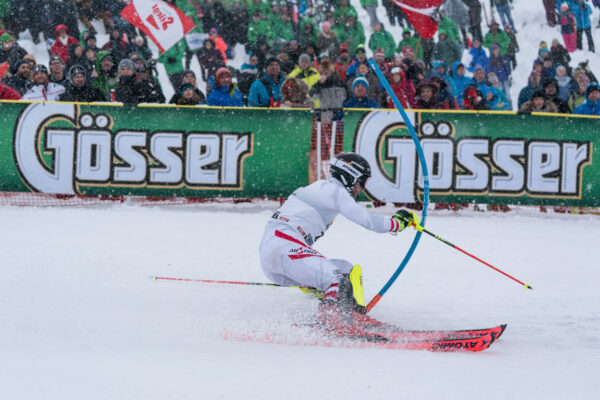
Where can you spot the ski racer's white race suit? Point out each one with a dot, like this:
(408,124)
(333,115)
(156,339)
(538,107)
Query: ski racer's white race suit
(286,252)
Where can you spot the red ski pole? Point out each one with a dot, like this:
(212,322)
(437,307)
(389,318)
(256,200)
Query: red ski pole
(421,229)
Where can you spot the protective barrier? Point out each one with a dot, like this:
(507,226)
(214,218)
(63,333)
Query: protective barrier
(498,158)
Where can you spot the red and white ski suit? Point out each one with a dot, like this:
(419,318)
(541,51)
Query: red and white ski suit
(286,252)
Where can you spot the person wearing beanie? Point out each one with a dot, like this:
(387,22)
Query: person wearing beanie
(538,103)
(305,71)
(592,101)
(426,92)
(188,78)
(187,96)
(360,57)
(342,62)
(550,87)
(294,94)
(57,71)
(20,80)
(43,89)
(568,27)
(219,43)
(327,41)
(533,84)
(127,90)
(79,89)
(565,83)
(10,51)
(360,88)
(210,60)
(224,93)
(266,91)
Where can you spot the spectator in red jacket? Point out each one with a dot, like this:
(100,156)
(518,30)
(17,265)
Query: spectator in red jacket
(403,88)
(8,93)
(63,41)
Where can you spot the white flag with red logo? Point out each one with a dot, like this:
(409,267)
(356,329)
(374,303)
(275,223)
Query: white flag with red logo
(162,22)
(422,14)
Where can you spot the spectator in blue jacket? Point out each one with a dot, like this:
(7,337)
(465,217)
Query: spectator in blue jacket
(266,91)
(582,11)
(499,65)
(359,99)
(224,93)
(461,81)
(478,56)
(592,103)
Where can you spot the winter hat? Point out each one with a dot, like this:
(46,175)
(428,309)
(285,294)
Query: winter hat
(360,80)
(213,31)
(326,24)
(30,57)
(5,38)
(592,87)
(407,52)
(56,58)
(344,48)
(75,70)
(17,64)
(564,6)
(549,81)
(184,88)
(271,60)
(222,71)
(127,63)
(395,70)
(538,93)
(380,53)
(40,68)
(361,49)
(304,57)
(479,67)
(496,47)
(543,45)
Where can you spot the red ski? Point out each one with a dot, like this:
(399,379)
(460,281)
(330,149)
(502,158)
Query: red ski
(364,341)
(393,332)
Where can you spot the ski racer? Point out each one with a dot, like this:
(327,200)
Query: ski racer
(286,253)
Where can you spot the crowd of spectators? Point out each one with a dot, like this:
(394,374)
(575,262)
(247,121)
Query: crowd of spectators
(310,56)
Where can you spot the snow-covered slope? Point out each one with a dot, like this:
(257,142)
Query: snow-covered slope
(82,318)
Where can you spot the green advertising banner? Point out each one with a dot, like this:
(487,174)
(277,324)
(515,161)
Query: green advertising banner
(65,148)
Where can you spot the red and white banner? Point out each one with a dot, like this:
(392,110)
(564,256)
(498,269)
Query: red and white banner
(422,14)
(162,22)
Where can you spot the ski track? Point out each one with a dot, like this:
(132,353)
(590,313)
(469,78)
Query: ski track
(82,317)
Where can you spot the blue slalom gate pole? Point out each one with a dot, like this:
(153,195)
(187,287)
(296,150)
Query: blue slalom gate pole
(415,139)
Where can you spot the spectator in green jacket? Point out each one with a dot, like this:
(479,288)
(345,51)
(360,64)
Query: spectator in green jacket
(107,73)
(446,49)
(382,39)
(496,36)
(172,59)
(449,26)
(353,35)
(342,11)
(258,28)
(412,41)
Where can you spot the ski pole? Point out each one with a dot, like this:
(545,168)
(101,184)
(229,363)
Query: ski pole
(219,282)
(421,229)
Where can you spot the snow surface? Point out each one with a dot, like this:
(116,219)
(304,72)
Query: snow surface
(82,318)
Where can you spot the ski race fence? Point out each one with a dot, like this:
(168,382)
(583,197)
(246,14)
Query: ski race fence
(90,154)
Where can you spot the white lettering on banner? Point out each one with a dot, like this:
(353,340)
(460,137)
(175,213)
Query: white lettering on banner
(161,20)
(505,155)
(59,159)
(469,165)
(477,173)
